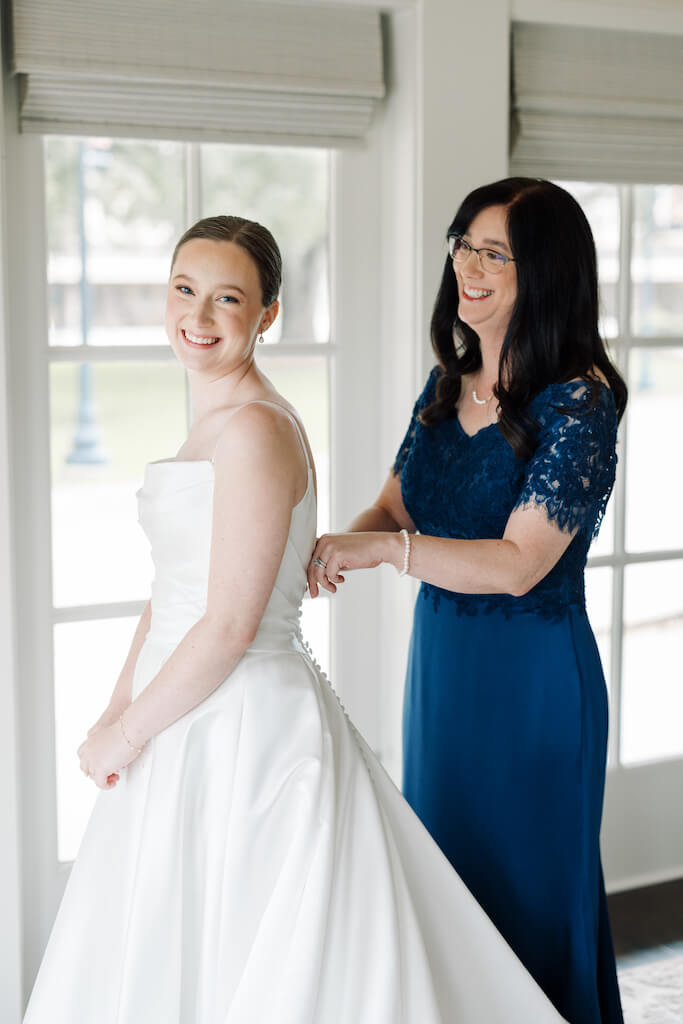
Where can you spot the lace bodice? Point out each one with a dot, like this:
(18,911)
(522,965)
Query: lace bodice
(457,485)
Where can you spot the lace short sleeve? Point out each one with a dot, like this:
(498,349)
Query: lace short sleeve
(571,473)
(426,398)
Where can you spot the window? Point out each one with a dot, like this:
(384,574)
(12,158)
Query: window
(117,398)
(634,591)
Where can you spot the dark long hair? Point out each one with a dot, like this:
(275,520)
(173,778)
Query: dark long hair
(252,237)
(553,332)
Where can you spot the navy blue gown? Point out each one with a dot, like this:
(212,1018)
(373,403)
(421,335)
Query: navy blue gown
(505,715)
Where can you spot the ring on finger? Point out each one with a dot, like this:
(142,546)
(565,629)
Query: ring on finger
(319,562)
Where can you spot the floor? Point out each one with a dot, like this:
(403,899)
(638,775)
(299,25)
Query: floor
(645,921)
(647,927)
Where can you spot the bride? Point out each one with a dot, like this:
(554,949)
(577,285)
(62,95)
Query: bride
(248,860)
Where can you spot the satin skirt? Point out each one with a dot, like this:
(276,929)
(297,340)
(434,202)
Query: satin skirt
(255,865)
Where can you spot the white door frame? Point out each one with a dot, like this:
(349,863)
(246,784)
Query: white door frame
(11,927)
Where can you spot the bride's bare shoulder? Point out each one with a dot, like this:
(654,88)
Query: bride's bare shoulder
(257,420)
(264,430)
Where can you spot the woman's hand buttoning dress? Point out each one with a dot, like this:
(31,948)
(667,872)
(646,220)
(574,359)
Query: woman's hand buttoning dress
(248,861)
(497,490)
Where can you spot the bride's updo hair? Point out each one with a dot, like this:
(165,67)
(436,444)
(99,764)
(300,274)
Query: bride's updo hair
(250,236)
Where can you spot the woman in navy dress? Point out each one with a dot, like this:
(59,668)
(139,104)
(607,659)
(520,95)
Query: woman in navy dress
(497,491)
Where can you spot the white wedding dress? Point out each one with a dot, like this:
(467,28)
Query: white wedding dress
(256,865)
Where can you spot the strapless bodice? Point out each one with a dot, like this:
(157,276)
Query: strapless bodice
(175,509)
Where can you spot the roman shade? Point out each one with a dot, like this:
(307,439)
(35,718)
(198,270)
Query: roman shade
(596,105)
(198,69)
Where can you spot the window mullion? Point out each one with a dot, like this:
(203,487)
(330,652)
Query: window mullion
(193,211)
(635,558)
(193,184)
(91,612)
(623,360)
(109,354)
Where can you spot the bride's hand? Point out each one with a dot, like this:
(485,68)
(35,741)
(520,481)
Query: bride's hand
(336,553)
(104,753)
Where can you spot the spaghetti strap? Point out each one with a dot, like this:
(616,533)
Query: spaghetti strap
(265,401)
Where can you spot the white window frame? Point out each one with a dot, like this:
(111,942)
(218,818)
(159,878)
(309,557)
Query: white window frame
(90,354)
(639,798)
(619,558)
(354,627)
(11,923)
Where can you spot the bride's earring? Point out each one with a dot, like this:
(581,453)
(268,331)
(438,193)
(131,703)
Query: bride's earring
(260,338)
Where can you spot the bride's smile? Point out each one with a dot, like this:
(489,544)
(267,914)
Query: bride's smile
(214,307)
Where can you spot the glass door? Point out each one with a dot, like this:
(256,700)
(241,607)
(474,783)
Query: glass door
(118,399)
(635,575)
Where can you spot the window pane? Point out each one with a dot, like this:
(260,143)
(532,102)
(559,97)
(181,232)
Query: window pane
(120,204)
(604,542)
(138,411)
(599,607)
(287,191)
(600,203)
(652,685)
(88,659)
(657,266)
(654,494)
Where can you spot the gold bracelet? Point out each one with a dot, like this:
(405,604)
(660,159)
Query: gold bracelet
(138,750)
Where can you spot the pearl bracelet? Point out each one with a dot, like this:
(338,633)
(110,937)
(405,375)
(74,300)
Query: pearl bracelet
(138,750)
(406,553)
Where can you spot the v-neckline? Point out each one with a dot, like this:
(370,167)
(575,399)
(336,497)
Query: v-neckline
(470,437)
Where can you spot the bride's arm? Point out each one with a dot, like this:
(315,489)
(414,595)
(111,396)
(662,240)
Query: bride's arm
(121,694)
(256,466)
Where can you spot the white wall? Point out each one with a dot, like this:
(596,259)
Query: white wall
(463,129)
(395,200)
(26,701)
(10,880)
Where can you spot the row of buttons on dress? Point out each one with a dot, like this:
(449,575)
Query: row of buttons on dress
(307,648)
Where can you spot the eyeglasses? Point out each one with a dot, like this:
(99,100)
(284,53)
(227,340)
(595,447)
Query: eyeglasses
(489,260)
